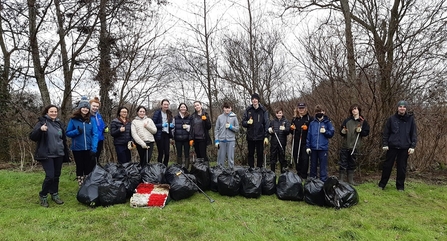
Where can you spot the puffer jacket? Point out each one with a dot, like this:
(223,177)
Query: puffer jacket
(140,134)
(181,134)
(259,129)
(100,125)
(158,121)
(85,141)
(316,140)
(120,138)
(282,134)
(400,132)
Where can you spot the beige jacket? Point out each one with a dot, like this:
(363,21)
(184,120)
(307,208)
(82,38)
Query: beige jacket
(142,133)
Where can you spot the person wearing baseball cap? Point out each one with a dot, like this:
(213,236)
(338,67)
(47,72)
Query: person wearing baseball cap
(298,129)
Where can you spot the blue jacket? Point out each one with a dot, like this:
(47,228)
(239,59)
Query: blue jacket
(316,140)
(85,141)
(100,124)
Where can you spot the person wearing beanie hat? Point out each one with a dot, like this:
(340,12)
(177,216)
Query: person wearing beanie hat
(102,128)
(84,134)
(256,120)
(399,141)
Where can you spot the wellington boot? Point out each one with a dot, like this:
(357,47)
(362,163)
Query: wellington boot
(43,201)
(342,176)
(351,178)
(187,163)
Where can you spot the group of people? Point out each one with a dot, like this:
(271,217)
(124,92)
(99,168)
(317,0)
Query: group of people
(310,139)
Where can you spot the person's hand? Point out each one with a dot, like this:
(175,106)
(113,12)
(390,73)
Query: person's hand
(385,148)
(171,125)
(410,151)
(266,141)
(216,143)
(186,127)
(44,127)
(322,130)
(228,125)
(250,121)
(122,128)
(293,127)
(165,124)
(80,130)
(270,130)
(130,145)
(281,128)
(304,127)
(308,151)
(358,129)
(344,130)
(203,117)
(106,129)
(146,147)
(191,142)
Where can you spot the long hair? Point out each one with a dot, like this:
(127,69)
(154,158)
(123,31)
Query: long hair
(186,112)
(77,114)
(168,112)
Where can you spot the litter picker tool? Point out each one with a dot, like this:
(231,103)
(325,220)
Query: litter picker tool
(357,138)
(279,142)
(293,144)
(181,172)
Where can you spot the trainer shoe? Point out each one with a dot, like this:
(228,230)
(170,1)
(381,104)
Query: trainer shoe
(56,199)
(43,201)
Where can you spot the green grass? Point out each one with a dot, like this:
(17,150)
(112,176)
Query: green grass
(419,213)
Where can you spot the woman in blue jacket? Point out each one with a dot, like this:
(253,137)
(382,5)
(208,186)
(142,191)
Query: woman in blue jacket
(83,132)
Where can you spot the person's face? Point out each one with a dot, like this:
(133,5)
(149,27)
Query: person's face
(141,113)
(355,111)
(279,114)
(255,101)
(123,113)
(197,106)
(85,111)
(401,109)
(302,110)
(52,113)
(94,107)
(165,106)
(182,109)
(227,110)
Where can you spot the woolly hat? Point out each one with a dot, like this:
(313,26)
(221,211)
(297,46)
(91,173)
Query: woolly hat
(402,103)
(255,96)
(84,103)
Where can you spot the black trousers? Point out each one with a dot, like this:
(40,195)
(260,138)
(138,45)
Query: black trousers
(52,168)
(301,159)
(145,154)
(84,162)
(259,147)
(163,148)
(182,148)
(200,149)
(347,161)
(401,157)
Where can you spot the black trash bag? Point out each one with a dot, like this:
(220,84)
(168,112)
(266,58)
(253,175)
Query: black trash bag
(228,183)
(88,193)
(268,182)
(339,194)
(153,173)
(214,174)
(180,183)
(289,187)
(240,170)
(313,192)
(131,178)
(251,183)
(201,170)
(112,192)
(116,170)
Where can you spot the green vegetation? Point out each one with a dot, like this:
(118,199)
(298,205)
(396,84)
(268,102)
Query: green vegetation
(416,214)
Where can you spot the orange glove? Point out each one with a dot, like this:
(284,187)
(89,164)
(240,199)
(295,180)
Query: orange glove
(304,127)
(203,117)
(293,127)
(191,142)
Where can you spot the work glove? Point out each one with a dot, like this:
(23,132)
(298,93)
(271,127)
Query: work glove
(216,143)
(165,124)
(293,127)
(250,121)
(270,130)
(228,126)
(385,148)
(322,130)
(130,145)
(344,130)
(171,125)
(281,128)
(266,141)
(106,130)
(304,127)
(358,129)
(186,127)
(203,117)
(410,151)
(80,130)
(308,151)
(191,142)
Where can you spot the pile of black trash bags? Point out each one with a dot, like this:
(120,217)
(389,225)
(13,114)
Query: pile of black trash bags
(115,183)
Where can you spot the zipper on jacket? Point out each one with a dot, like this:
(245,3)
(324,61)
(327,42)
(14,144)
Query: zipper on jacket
(85,137)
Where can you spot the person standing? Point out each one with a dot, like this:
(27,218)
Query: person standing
(84,134)
(352,130)
(199,134)
(51,152)
(120,129)
(143,130)
(279,129)
(299,128)
(182,126)
(163,121)
(256,120)
(102,128)
(399,141)
(225,131)
(317,143)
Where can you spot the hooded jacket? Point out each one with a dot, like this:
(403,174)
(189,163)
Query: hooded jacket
(259,129)
(351,124)
(316,140)
(222,133)
(85,141)
(400,132)
(206,126)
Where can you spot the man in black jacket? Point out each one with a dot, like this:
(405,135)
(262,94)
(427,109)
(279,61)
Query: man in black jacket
(399,140)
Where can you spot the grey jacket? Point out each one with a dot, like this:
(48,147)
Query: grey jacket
(221,133)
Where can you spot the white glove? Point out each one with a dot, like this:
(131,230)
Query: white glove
(216,144)
(322,130)
(186,127)
(308,151)
(146,147)
(282,128)
(344,131)
(358,129)
(410,151)
(270,130)
(250,121)
(227,125)
(385,148)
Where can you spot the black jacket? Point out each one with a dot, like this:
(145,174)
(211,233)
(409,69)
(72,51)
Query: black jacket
(259,129)
(299,122)
(181,134)
(195,118)
(120,138)
(400,132)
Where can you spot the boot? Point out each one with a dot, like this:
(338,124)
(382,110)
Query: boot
(43,201)
(351,178)
(342,176)
(187,163)
(80,180)
(55,197)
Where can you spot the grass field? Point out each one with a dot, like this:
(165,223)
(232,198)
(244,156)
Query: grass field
(419,213)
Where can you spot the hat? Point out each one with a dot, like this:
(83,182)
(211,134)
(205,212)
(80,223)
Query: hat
(255,96)
(301,105)
(402,103)
(83,103)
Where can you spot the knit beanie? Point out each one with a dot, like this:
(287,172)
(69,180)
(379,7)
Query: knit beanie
(84,103)
(255,96)
(402,103)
